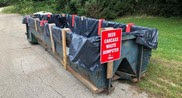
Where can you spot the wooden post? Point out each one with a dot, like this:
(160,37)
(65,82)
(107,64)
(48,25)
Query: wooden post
(64,46)
(51,37)
(109,66)
(109,75)
(109,70)
(35,23)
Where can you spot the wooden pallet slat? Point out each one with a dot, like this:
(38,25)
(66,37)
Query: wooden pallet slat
(51,37)
(64,46)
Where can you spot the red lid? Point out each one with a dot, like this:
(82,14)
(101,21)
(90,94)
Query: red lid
(48,15)
(128,27)
(42,22)
(130,24)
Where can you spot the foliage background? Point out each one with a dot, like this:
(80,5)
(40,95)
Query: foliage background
(109,9)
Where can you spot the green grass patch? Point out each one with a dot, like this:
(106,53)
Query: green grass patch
(29,7)
(9,9)
(164,76)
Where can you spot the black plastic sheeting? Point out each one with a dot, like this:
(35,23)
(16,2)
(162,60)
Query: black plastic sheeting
(85,51)
(57,35)
(146,36)
(84,42)
(86,27)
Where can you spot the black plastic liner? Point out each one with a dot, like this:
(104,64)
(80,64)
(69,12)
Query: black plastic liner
(146,36)
(81,47)
(84,42)
(86,27)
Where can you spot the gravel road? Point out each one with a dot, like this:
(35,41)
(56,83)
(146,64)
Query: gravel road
(28,71)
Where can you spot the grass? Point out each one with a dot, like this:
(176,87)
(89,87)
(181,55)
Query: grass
(164,76)
(30,7)
(9,9)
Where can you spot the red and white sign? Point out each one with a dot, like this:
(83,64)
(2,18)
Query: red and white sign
(110,45)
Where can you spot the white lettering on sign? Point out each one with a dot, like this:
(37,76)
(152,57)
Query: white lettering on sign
(111,45)
(110,51)
(110,40)
(112,34)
